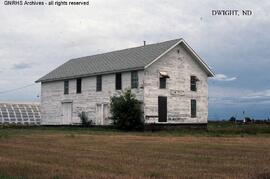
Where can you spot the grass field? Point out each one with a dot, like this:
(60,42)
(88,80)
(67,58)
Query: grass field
(223,151)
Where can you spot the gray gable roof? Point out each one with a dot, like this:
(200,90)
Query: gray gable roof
(111,62)
(121,60)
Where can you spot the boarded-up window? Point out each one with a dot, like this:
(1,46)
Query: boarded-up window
(134,79)
(66,87)
(193,85)
(118,81)
(79,85)
(193,108)
(99,83)
(162,83)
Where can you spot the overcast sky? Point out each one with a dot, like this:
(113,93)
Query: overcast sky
(35,40)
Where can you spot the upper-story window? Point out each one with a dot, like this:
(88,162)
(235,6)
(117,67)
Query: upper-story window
(163,79)
(193,83)
(66,87)
(99,83)
(79,85)
(162,83)
(134,79)
(118,81)
(193,108)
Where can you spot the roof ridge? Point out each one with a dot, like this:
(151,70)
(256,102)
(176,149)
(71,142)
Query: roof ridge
(83,58)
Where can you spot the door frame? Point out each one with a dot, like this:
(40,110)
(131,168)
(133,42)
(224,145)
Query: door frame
(71,112)
(162,118)
(101,115)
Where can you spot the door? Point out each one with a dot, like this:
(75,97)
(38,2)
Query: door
(102,112)
(162,109)
(67,113)
(99,114)
(105,113)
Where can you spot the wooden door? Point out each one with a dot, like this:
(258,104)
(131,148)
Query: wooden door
(162,109)
(99,114)
(105,114)
(67,113)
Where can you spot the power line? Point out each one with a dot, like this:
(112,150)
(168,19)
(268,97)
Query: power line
(16,89)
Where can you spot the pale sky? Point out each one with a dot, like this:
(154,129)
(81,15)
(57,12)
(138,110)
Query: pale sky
(35,40)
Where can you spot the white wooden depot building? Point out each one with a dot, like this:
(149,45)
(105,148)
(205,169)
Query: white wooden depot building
(169,79)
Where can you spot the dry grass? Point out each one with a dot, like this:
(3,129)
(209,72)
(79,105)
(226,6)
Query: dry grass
(54,154)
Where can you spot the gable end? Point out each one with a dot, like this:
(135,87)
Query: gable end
(205,67)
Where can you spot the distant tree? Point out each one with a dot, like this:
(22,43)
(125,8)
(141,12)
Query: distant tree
(232,119)
(126,111)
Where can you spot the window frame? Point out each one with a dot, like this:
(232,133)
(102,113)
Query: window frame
(162,83)
(79,85)
(134,80)
(118,81)
(193,108)
(193,83)
(99,83)
(66,87)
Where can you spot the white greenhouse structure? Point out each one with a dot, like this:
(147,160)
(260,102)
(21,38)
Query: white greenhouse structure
(14,113)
